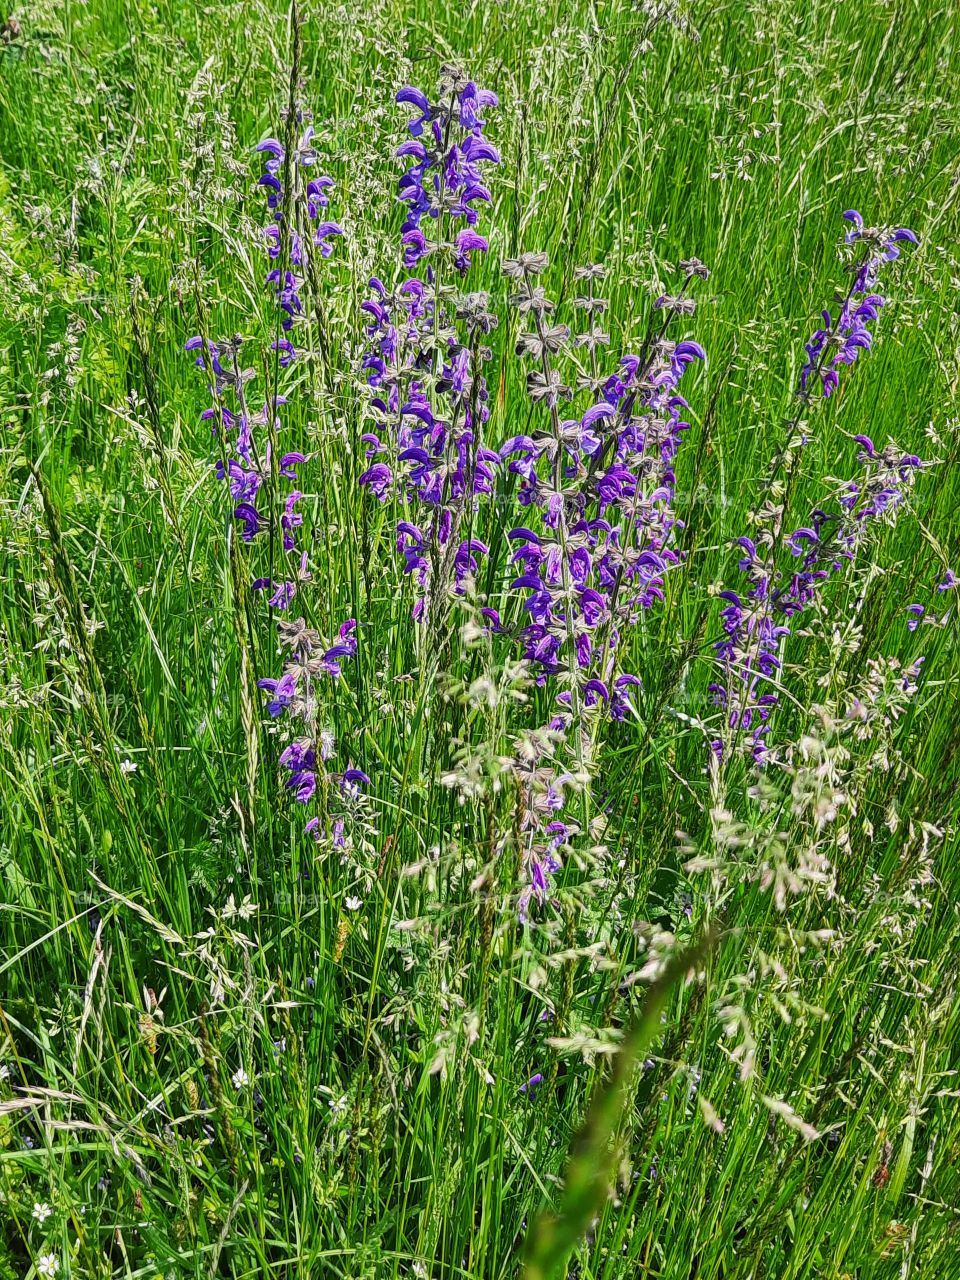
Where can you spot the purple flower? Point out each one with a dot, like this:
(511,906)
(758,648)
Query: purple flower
(849,334)
(308,199)
(428,398)
(468,242)
(284,690)
(288,464)
(379,478)
(757,621)
(249,517)
(605,548)
(303,783)
(283,595)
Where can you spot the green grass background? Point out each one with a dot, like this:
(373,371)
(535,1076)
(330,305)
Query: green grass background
(737,133)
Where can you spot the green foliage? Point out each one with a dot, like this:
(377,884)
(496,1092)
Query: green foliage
(224,1054)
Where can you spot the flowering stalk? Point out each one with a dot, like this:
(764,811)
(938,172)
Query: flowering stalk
(298,201)
(756,622)
(248,465)
(429,401)
(294,698)
(840,342)
(603,485)
(542,833)
(606,499)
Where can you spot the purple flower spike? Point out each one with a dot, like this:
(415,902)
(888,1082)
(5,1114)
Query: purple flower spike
(850,334)
(428,398)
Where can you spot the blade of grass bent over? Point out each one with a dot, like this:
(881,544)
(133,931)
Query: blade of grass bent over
(590,1166)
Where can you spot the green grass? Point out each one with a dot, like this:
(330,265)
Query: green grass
(386,1135)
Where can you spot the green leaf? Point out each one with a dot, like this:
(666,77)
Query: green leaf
(590,1166)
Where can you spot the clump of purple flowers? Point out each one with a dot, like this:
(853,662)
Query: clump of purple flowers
(757,620)
(264,505)
(444,181)
(294,698)
(597,540)
(265,487)
(603,484)
(298,199)
(426,353)
(840,342)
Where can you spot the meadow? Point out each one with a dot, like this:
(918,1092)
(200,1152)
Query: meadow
(479,747)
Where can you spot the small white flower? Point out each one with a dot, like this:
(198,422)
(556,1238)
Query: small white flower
(353,904)
(48,1264)
(240,1079)
(42,1211)
(128,766)
(247,909)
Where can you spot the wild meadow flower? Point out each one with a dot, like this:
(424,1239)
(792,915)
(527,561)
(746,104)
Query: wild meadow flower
(249,473)
(839,341)
(298,198)
(594,534)
(603,484)
(924,614)
(542,787)
(444,181)
(295,699)
(266,487)
(757,619)
(48,1264)
(424,362)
